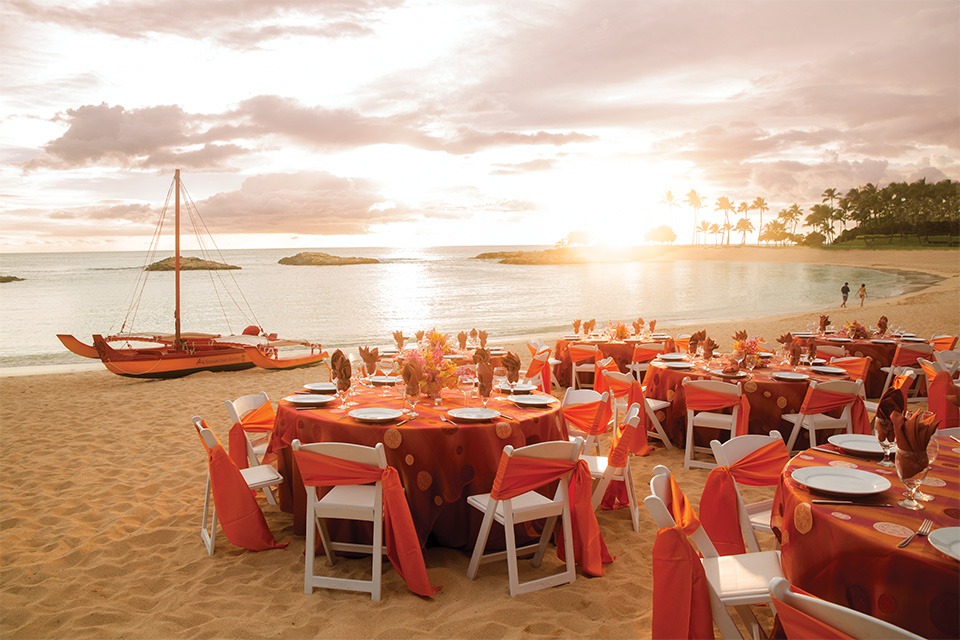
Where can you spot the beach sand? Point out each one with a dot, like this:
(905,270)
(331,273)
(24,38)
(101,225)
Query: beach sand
(102,484)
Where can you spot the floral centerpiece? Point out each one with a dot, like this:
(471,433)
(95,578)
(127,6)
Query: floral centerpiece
(855,331)
(748,350)
(619,331)
(438,372)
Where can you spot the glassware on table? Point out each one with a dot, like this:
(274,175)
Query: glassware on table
(883,429)
(412,399)
(908,462)
(342,394)
(933,450)
(466,383)
(499,378)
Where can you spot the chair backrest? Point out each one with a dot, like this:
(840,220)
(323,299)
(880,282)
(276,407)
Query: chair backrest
(849,621)
(930,369)
(943,342)
(657,502)
(906,354)
(846,387)
(580,396)
(209,437)
(856,367)
(632,418)
(718,386)
(580,352)
(535,346)
(624,378)
(553,449)
(829,351)
(243,405)
(729,452)
(371,456)
(949,360)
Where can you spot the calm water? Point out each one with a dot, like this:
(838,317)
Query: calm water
(86,293)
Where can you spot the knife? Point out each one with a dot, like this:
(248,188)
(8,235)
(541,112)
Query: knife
(851,502)
(842,453)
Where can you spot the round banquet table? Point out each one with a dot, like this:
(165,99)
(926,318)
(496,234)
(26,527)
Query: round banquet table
(621,352)
(769,397)
(439,464)
(848,553)
(881,354)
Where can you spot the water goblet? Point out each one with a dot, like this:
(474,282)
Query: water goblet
(466,383)
(933,450)
(342,395)
(912,468)
(412,399)
(883,429)
(499,378)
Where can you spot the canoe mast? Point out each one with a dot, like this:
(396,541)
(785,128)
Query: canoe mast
(178,343)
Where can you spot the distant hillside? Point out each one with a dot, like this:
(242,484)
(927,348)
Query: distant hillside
(10,279)
(576,255)
(189,264)
(317,259)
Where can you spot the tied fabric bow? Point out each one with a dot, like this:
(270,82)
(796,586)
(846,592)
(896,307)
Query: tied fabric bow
(412,373)
(882,325)
(913,436)
(709,346)
(260,420)
(576,326)
(485,378)
(824,322)
(370,358)
(511,363)
(482,335)
(399,339)
(462,339)
(638,326)
(740,335)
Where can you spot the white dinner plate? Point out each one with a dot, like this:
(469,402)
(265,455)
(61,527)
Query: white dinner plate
(882,341)
(910,339)
(905,334)
(947,540)
(733,376)
(660,336)
(790,376)
(327,388)
(532,400)
(455,356)
(766,354)
(672,357)
(815,362)
(857,443)
(309,400)
(802,334)
(841,480)
(375,414)
(387,351)
(473,414)
(571,337)
(520,387)
(839,340)
(384,381)
(829,371)
(678,365)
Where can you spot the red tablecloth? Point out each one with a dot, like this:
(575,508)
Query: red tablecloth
(440,464)
(769,399)
(849,555)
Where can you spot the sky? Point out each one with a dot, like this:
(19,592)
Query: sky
(350,123)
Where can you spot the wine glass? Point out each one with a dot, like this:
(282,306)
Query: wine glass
(412,399)
(933,449)
(883,429)
(342,394)
(912,468)
(465,383)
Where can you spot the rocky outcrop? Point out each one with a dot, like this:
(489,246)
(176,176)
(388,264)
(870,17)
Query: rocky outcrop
(189,264)
(318,259)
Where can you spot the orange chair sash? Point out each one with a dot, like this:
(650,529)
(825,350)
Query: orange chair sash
(579,353)
(818,400)
(628,438)
(800,625)
(942,400)
(517,475)
(906,357)
(600,380)
(857,369)
(260,420)
(700,399)
(681,596)
(237,510)
(403,545)
(718,502)
(944,343)
(903,383)
(641,355)
(589,417)
(539,367)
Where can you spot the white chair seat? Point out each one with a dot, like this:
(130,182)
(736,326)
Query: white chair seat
(261,476)
(743,579)
(760,517)
(657,405)
(356,497)
(525,503)
(717,420)
(820,421)
(597,464)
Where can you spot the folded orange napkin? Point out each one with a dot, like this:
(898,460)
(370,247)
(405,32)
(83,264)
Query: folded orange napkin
(731,367)
(511,363)
(695,339)
(473,334)
(481,355)
(824,322)
(638,326)
(796,352)
(399,339)
(412,374)
(482,335)
(419,335)
(653,326)
(740,335)
(576,325)
(462,339)
(341,369)
(882,325)
(709,346)
(485,378)
(913,436)
(370,358)
(889,410)
(588,326)
(812,349)
(786,339)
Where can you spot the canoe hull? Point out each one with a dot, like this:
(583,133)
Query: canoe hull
(77,347)
(263,361)
(169,362)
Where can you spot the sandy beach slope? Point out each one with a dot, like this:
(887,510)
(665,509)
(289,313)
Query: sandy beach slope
(101,488)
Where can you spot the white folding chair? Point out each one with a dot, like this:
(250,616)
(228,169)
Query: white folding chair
(827,351)
(651,406)
(948,433)
(638,369)
(583,396)
(754,516)
(583,359)
(906,356)
(259,477)
(362,502)
(734,581)
(949,360)
(525,507)
(256,448)
(820,421)
(904,377)
(848,621)
(605,473)
(709,420)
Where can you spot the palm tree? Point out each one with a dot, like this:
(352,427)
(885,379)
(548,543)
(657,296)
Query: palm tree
(791,216)
(744,226)
(724,204)
(760,205)
(671,202)
(715,231)
(821,218)
(703,228)
(695,201)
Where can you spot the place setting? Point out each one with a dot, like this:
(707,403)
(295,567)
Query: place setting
(309,400)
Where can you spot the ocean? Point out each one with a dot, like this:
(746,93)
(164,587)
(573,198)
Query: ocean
(411,289)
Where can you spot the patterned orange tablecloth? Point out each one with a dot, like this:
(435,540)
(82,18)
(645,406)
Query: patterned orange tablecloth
(769,398)
(881,355)
(621,352)
(440,464)
(849,555)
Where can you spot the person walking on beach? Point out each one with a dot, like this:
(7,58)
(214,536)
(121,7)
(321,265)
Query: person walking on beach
(845,291)
(862,293)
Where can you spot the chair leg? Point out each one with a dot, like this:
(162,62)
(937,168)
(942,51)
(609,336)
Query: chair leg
(573,375)
(658,427)
(310,549)
(793,435)
(377,551)
(481,543)
(545,537)
(268,494)
(512,570)
(688,450)
(721,618)
(326,542)
(209,509)
(632,497)
(571,572)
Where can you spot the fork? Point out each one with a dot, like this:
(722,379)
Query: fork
(924,529)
